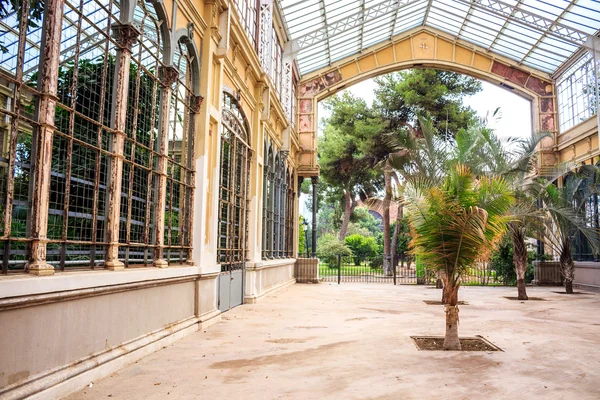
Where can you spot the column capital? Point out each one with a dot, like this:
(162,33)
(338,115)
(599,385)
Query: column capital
(314,179)
(196,103)
(125,34)
(167,74)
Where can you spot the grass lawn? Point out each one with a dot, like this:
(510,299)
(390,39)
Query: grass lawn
(348,269)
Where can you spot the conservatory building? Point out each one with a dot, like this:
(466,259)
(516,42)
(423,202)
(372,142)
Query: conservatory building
(151,152)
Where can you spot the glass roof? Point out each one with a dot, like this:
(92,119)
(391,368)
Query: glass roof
(541,34)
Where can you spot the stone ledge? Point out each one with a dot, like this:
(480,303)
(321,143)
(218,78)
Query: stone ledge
(67,379)
(587,264)
(265,264)
(27,285)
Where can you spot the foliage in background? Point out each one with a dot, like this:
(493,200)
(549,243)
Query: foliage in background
(502,263)
(301,236)
(362,247)
(402,96)
(329,247)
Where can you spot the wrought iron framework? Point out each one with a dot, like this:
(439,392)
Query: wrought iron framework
(233,186)
(542,34)
(101,205)
(278,209)
(576,92)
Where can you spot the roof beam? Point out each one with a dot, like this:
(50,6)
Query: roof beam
(562,14)
(362,27)
(425,16)
(534,21)
(501,31)
(352,21)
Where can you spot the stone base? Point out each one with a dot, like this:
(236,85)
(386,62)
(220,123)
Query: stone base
(307,270)
(114,265)
(40,268)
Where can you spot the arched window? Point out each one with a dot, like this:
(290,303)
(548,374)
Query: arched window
(233,186)
(277,208)
(82,147)
(180,161)
(289,216)
(266,194)
(142,125)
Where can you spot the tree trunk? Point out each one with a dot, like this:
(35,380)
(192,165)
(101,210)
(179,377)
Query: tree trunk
(451,340)
(443,285)
(387,174)
(519,259)
(567,266)
(395,236)
(569,287)
(349,206)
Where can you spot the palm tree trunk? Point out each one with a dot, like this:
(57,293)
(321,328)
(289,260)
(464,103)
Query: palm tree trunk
(451,340)
(349,206)
(567,266)
(387,174)
(519,259)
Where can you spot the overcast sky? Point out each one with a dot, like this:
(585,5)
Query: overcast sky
(515,111)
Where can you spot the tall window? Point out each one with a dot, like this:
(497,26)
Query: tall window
(140,177)
(289,215)
(20,42)
(577,93)
(233,186)
(180,162)
(247,10)
(81,148)
(276,206)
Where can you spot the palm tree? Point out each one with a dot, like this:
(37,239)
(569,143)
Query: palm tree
(517,166)
(455,225)
(565,215)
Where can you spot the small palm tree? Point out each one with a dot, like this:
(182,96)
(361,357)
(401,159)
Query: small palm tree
(456,224)
(565,215)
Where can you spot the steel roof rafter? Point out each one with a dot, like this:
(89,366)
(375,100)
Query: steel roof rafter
(504,26)
(352,21)
(362,26)
(541,38)
(535,21)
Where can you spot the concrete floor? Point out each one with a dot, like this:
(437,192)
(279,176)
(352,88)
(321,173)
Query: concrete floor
(353,342)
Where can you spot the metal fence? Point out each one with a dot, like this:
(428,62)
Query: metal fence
(372,269)
(402,271)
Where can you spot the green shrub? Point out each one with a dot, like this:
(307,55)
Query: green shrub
(376,263)
(503,266)
(362,247)
(329,248)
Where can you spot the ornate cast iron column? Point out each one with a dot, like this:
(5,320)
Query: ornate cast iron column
(42,138)
(168,75)
(126,36)
(314,180)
